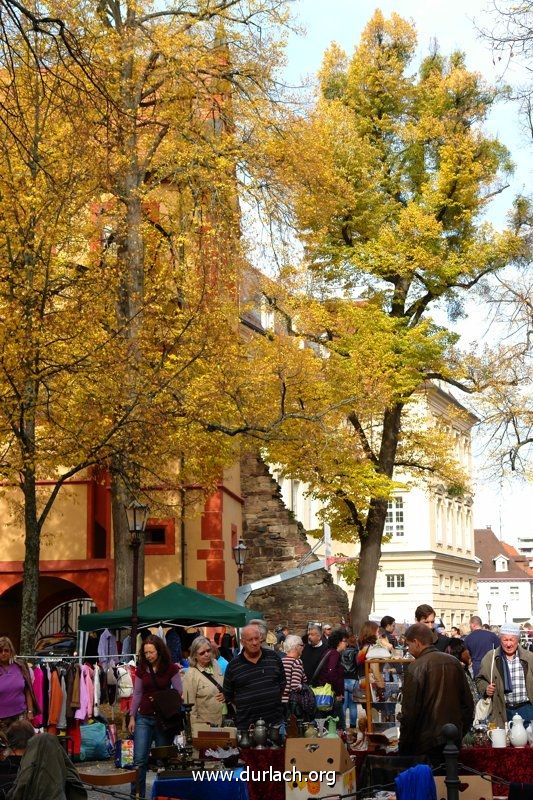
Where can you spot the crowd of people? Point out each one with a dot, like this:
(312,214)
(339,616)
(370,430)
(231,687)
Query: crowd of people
(272,676)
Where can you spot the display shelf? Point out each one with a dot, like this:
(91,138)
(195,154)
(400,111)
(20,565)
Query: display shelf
(382,690)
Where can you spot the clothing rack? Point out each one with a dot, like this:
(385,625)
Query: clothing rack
(47,659)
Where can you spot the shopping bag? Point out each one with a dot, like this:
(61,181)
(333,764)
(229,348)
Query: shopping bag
(124,753)
(482,710)
(94,742)
(325,697)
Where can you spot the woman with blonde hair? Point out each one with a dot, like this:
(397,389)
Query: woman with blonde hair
(17,699)
(202,685)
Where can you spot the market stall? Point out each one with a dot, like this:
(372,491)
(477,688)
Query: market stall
(173,604)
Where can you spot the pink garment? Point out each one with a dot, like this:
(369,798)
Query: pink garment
(38,686)
(86,694)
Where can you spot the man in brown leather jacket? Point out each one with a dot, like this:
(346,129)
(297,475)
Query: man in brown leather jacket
(435,692)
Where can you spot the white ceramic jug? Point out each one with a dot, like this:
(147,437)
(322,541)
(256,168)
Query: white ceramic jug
(518,735)
(498,737)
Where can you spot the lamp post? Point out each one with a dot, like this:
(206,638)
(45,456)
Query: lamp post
(137,515)
(488,607)
(505,610)
(239,554)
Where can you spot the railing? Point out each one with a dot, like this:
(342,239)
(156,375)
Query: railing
(64,617)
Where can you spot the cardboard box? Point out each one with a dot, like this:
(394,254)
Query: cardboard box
(311,755)
(205,736)
(471,787)
(306,789)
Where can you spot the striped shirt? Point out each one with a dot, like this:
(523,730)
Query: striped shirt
(255,689)
(295,675)
(518,679)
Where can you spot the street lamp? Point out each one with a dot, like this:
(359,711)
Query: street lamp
(239,554)
(505,610)
(137,516)
(488,607)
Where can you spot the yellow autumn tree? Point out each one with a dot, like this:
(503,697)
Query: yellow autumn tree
(163,107)
(389,201)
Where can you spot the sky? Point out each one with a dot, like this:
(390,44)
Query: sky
(506,507)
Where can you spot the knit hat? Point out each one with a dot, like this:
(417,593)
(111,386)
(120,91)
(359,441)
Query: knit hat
(510,629)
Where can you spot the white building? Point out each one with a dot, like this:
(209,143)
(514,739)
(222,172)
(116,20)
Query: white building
(430,555)
(505,581)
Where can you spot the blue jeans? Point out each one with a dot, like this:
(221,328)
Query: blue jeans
(349,684)
(146,731)
(525,711)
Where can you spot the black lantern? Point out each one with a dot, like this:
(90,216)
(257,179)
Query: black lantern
(488,607)
(239,554)
(137,515)
(505,610)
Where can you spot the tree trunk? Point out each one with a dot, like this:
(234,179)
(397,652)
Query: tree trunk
(124,476)
(369,558)
(30,585)
(371,539)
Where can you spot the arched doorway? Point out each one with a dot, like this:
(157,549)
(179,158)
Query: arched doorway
(54,593)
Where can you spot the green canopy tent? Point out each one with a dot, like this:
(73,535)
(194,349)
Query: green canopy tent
(173,604)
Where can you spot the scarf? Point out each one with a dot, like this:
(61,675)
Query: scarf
(416,783)
(507,682)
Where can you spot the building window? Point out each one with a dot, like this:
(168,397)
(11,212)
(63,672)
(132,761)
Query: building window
(494,591)
(395,581)
(155,534)
(501,565)
(515,592)
(394,520)
(160,537)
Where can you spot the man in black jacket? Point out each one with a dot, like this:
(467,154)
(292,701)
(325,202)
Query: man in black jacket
(313,652)
(435,692)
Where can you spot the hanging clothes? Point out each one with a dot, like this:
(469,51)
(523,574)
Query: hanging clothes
(96,684)
(38,684)
(55,700)
(86,693)
(62,721)
(107,649)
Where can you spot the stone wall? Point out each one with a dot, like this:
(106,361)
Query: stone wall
(276,543)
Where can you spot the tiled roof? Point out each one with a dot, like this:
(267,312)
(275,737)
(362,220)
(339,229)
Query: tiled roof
(510,550)
(488,547)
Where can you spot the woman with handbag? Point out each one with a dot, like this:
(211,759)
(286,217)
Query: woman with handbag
(202,685)
(292,699)
(155,674)
(332,672)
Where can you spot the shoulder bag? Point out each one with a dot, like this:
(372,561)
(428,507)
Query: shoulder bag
(167,706)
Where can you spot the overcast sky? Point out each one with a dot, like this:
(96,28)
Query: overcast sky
(507,508)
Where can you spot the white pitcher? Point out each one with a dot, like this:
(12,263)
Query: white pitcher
(498,737)
(518,735)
